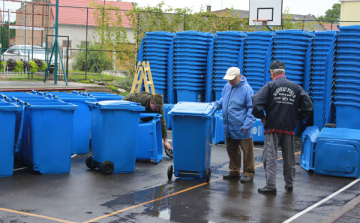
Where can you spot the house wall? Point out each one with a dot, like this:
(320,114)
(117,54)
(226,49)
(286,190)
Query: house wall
(349,12)
(77,34)
(24,17)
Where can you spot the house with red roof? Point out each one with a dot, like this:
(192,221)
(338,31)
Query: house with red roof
(76,20)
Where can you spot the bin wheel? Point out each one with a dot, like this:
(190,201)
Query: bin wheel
(107,168)
(89,163)
(170,172)
(207,175)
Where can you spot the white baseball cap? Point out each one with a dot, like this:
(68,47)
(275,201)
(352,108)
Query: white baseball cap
(231,73)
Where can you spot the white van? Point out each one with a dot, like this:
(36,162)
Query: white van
(27,52)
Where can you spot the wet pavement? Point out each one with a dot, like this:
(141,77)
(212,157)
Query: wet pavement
(147,196)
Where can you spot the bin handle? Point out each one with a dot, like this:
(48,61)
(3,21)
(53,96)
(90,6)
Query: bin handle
(18,143)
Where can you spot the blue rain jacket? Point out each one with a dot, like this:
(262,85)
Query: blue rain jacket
(236,105)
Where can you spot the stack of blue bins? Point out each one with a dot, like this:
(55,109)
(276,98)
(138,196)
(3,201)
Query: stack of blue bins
(255,52)
(155,50)
(47,132)
(290,46)
(167,108)
(321,45)
(8,112)
(333,151)
(347,78)
(223,54)
(187,75)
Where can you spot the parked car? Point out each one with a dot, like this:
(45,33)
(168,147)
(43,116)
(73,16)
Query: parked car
(27,52)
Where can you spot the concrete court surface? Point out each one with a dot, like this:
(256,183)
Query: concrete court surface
(147,196)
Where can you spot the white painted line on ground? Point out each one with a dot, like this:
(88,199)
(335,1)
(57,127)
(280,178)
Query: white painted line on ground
(169,140)
(320,202)
(22,168)
(73,155)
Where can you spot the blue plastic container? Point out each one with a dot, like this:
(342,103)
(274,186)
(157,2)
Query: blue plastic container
(347,115)
(167,108)
(102,96)
(192,149)
(308,142)
(149,145)
(114,132)
(82,120)
(8,113)
(48,129)
(338,152)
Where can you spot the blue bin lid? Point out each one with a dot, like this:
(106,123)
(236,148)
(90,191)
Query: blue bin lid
(5,106)
(117,105)
(49,104)
(193,109)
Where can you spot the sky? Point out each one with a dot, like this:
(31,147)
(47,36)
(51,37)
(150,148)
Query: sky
(303,7)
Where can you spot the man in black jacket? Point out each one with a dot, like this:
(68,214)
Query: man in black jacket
(279,104)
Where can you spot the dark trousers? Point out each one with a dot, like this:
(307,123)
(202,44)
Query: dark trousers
(233,150)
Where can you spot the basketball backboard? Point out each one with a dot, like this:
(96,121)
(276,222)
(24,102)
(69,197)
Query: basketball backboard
(269,10)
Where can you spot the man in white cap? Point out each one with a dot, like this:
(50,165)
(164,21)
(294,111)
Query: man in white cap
(236,108)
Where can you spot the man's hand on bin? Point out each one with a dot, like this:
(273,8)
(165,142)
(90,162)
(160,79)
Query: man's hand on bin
(168,149)
(244,130)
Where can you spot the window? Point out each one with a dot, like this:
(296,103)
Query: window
(67,43)
(83,43)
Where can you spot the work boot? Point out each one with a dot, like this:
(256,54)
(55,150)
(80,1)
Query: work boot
(246,180)
(290,189)
(231,177)
(266,190)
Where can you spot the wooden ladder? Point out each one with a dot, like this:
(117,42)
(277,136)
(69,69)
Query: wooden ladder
(143,72)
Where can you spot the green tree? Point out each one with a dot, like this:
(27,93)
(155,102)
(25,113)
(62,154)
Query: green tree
(332,15)
(113,34)
(101,58)
(4,35)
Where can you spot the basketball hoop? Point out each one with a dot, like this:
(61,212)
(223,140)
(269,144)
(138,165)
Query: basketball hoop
(260,24)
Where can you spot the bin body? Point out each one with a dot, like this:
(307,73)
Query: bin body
(82,120)
(114,131)
(149,145)
(48,135)
(191,133)
(7,136)
(337,152)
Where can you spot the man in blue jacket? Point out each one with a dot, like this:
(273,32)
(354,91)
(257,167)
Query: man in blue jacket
(284,102)
(236,108)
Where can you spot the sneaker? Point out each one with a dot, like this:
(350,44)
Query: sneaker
(290,189)
(168,152)
(246,180)
(231,177)
(266,190)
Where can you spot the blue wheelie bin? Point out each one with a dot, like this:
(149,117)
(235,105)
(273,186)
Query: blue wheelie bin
(114,132)
(7,137)
(100,96)
(47,135)
(191,133)
(149,145)
(82,120)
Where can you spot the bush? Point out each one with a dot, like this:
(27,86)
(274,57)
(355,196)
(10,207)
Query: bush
(11,65)
(2,66)
(33,67)
(43,67)
(19,67)
(101,58)
(113,88)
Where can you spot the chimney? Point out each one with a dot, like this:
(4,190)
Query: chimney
(208,8)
